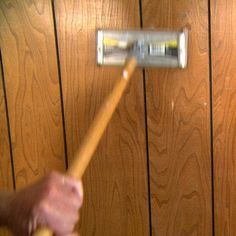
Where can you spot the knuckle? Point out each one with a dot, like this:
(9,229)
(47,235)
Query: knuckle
(51,181)
(78,189)
(52,176)
(49,190)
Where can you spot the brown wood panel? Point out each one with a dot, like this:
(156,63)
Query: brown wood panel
(6,177)
(6,180)
(116,201)
(223,18)
(178,111)
(32,85)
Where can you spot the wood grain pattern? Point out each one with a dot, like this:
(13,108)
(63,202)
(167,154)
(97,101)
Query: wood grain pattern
(223,18)
(115,183)
(179,125)
(6,180)
(6,175)
(28,47)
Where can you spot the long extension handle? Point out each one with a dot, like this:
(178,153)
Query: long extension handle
(97,128)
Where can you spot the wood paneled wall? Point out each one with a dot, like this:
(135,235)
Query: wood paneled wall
(165,165)
(223,19)
(178,114)
(116,201)
(6,177)
(6,170)
(32,88)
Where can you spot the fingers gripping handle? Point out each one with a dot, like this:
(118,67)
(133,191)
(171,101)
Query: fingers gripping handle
(97,128)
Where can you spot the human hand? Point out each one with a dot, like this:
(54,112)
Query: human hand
(52,202)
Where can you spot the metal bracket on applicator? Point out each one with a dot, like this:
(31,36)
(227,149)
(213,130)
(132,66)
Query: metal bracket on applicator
(152,48)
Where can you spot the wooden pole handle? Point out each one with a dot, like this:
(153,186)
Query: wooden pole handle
(84,154)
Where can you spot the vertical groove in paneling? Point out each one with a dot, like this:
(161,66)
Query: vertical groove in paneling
(178,115)
(211,115)
(146,129)
(32,88)
(60,81)
(116,195)
(147,154)
(223,25)
(7,181)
